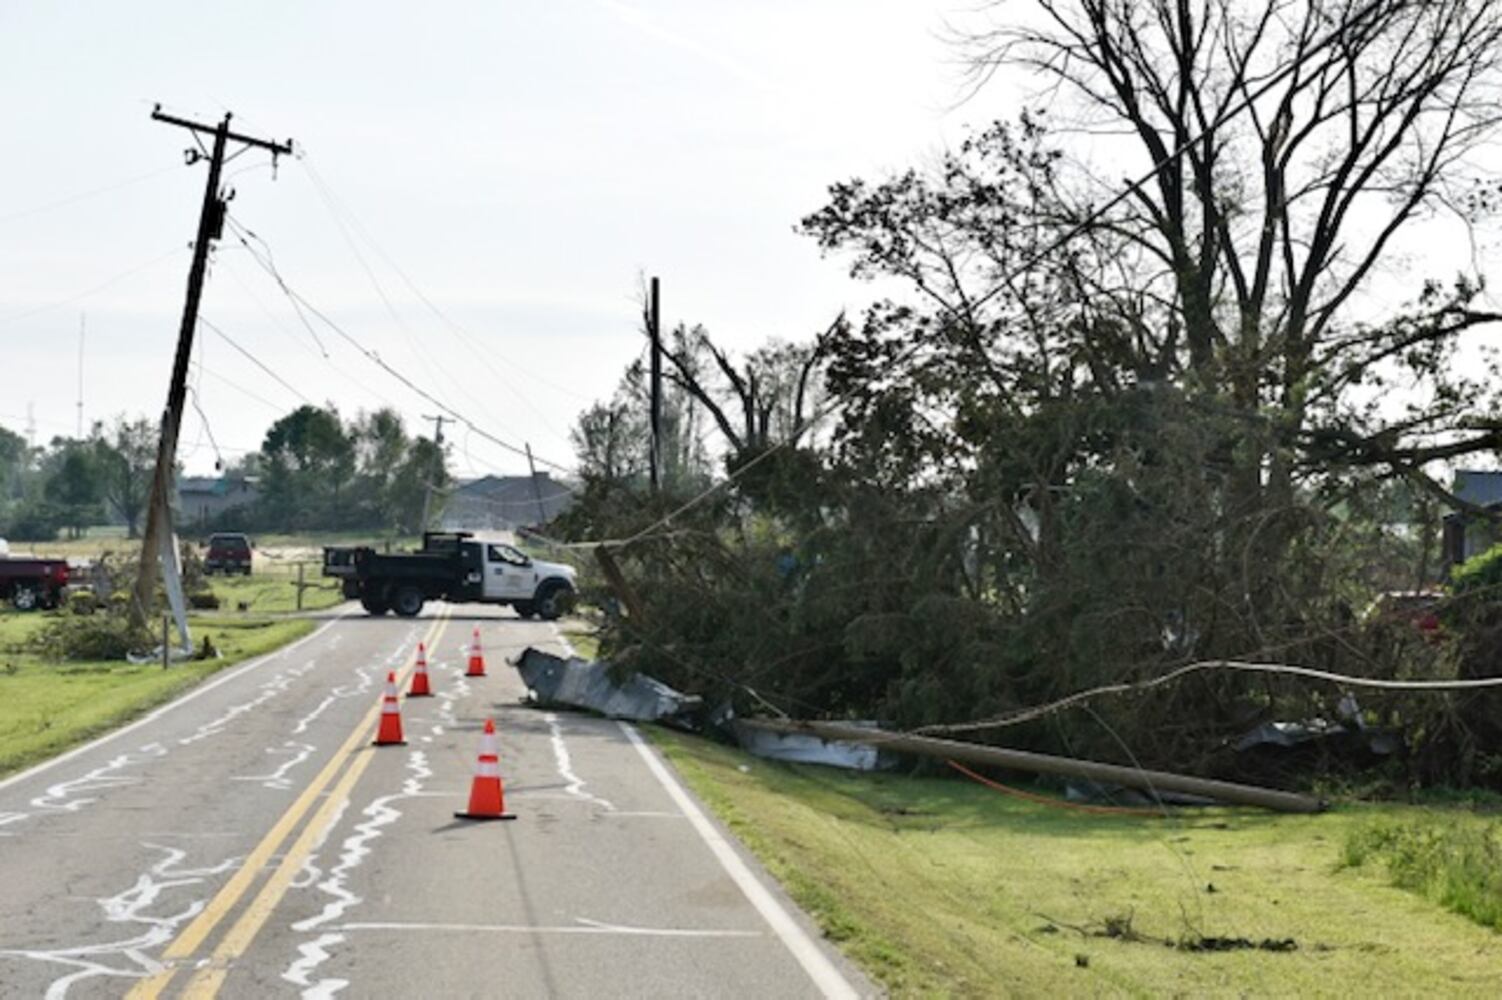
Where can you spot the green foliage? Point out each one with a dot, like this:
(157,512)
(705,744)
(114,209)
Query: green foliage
(34,521)
(1456,864)
(1482,573)
(74,484)
(1055,470)
(70,483)
(14,459)
(107,636)
(126,459)
(321,472)
(83,602)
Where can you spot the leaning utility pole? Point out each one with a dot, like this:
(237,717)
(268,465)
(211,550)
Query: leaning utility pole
(427,497)
(210,227)
(654,325)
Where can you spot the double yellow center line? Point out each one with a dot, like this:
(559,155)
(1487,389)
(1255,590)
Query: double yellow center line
(208,978)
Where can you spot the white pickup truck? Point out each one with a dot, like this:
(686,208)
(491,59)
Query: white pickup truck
(454,566)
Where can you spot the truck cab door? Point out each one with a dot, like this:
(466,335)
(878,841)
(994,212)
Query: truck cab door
(472,571)
(508,574)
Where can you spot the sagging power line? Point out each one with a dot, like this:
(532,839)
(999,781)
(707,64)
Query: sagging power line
(301,303)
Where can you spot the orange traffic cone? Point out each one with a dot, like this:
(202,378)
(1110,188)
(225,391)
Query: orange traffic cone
(476,657)
(391,717)
(487,798)
(420,687)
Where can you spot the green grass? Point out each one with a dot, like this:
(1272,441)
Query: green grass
(271,588)
(582,638)
(45,708)
(941,887)
(1454,861)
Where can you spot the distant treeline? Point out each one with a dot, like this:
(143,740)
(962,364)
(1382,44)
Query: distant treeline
(315,471)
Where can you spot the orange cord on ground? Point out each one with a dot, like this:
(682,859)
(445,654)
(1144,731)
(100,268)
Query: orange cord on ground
(1048,801)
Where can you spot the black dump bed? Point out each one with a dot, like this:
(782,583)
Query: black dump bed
(439,569)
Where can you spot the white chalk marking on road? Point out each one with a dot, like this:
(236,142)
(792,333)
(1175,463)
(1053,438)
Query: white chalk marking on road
(353,851)
(279,683)
(128,907)
(60,797)
(565,765)
(148,719)
(307,720)
(364,680)
(314,953)
(278,779)
(820,969)
(584,926)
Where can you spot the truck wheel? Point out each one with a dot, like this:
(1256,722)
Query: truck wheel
(24,597)
(407,601)
(554,600)
(526,609)
(374,606)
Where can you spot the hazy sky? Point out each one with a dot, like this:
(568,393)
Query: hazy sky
(521,163)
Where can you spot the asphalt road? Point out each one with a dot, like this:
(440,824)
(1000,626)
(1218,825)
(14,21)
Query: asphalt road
(248,841)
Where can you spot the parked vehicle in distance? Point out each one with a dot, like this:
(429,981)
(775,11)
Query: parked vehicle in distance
(452,566)
(228,552)
(29,583)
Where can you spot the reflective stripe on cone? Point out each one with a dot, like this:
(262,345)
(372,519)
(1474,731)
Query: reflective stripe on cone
(487,796)
(390,731)
(420,688)
(476,657)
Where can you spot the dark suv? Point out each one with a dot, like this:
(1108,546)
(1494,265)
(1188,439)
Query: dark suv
(228,553)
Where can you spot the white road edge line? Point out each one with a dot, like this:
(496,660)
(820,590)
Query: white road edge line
(155,714)
(829,980)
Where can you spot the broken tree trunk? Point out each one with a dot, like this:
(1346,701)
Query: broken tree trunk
(618,584)
(1040,763)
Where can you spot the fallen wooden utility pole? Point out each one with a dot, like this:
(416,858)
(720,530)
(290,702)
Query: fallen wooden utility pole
(1042,763)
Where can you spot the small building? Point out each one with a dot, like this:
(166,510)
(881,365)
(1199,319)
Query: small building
(505,503)
(202,499)
(1468,534)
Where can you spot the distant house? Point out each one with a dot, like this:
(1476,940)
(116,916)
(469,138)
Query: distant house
(502,503)
(1466,534)
(202,499)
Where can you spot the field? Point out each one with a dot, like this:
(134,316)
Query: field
(942,887)
(47,707)
(270,589)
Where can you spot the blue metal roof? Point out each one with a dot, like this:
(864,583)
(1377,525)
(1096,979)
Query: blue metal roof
(1480,487)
